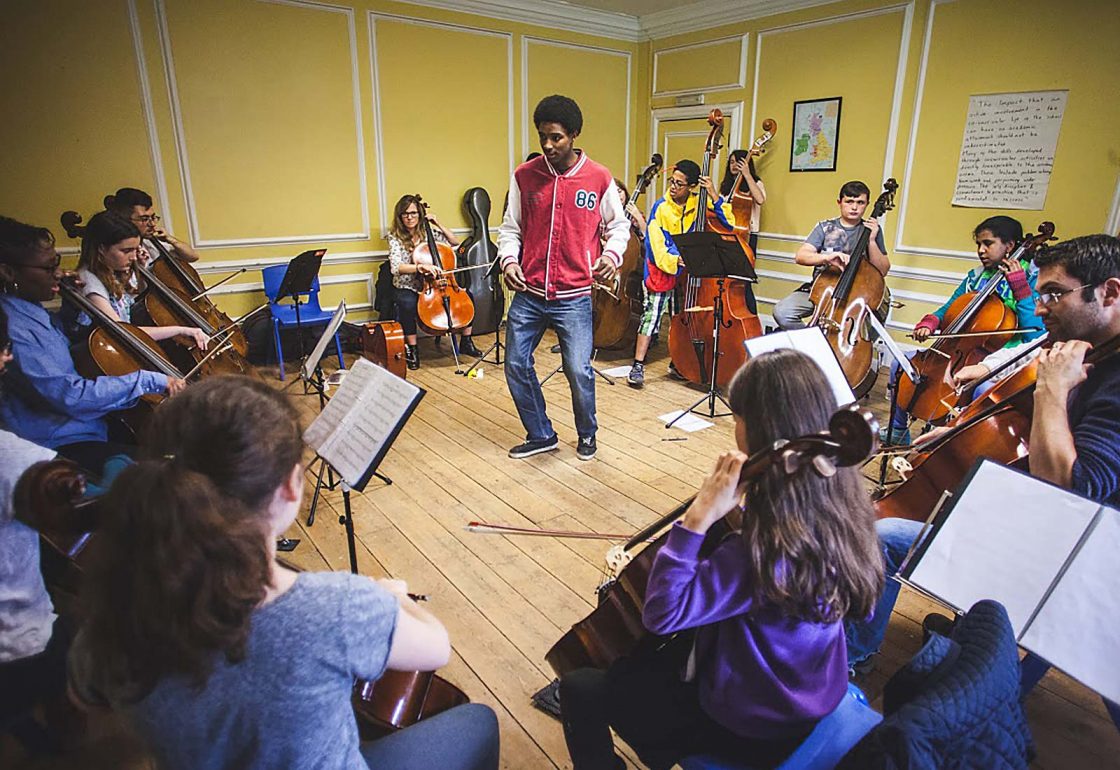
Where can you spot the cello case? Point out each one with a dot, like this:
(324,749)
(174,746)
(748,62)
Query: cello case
(478,249)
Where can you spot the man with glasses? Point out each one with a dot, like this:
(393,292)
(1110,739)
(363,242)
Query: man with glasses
(1075,426)
(136,205)
(674,212)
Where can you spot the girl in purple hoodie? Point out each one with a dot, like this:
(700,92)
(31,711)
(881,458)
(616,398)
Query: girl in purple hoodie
(746,651)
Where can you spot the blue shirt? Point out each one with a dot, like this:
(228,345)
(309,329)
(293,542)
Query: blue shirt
(45,400)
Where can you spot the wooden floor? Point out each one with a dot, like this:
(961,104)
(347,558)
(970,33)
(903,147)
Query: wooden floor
(506,600)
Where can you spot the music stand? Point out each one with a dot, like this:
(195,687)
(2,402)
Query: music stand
(708,254)
(298,279)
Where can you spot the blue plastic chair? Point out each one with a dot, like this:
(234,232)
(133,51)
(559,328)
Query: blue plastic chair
(832,738)
(284,311)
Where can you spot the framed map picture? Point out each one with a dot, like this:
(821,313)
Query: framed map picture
(816,130)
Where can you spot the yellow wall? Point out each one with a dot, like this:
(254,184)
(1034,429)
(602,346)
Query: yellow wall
(265,126)
(280,124)
(901,64)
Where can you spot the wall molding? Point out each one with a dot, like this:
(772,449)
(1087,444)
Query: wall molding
(897,271)
(741,82)
(155,154)
(527,115)
(259,263)
(733,111)
(181,143)
(375,83)
(548,13)
(907,10)
(1112,226)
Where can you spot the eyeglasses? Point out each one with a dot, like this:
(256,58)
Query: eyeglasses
(147,219)
(48,268)
(1053,297)
(678,183)
(410,214)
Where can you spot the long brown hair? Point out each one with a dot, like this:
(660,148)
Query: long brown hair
(182,558)
(105,229)
(397,228)
(811,539)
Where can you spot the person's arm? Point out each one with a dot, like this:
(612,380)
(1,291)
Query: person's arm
(1022,286)
(67,392)
(1053,451)
(179,249)
(718,204)
(758,192)
(664,251)
(931,322)
(809,253)
(509,231)
(420,641)
(637,219)
(876,248)
(193,333)
(616,225)
(448,236)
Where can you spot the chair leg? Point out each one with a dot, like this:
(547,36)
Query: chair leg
(338,350)
(279,350)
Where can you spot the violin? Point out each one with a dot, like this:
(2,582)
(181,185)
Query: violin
(617,308)
(614,628)
(165,307)
(443,306)
(998,429)
(690,331)
(478,251)
(933,397)
(742,202)
(842,302)
(116,348)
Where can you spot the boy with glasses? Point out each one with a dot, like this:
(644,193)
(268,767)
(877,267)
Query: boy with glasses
(674,212)
(136,205)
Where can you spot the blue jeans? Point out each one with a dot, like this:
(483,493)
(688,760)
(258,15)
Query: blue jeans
(529,317)
(463,738)
(864,637)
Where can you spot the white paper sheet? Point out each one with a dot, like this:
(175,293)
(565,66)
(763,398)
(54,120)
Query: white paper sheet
(1077,629)
(811,342)
(356,423)
(324,340)
(690,423)
(1006,539)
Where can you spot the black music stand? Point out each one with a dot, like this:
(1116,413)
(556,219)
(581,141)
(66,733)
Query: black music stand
(298,279)
(708,254)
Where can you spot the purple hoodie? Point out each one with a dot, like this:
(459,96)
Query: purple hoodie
(760,674)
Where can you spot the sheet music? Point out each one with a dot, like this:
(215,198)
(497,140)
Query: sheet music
(1005,538)
(811,342)
(1077,628)
(354,429)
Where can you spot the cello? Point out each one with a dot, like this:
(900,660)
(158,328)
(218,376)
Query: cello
(933,396)
(742,203)
(443,306)
(842,302)
(617,308)
(614,627)
(691,330)
(478,251)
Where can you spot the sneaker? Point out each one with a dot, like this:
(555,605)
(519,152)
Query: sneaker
(861,667)
(935,623)
(637,376)
(894,436)
(673,373)
(555,348)
(531,447)
(585,450)
(468,348)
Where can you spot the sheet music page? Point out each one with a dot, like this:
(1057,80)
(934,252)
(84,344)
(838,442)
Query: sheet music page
(324,339)
(1006,538)
(812,343)
(359,419)
(1077,628)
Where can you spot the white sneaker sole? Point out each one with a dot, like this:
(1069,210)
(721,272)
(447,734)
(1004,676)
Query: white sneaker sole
(529,453)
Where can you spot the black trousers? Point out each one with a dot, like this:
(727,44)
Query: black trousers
(35,679)
(643,698)
(92,455)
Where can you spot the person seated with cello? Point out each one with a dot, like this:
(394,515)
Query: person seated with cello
(218,655)
(405,235)
(136,206)
(741,163)
(828,247)
(767,659)
(673,212)
(1075,416)
(110,247)
(996,239)
(46,401)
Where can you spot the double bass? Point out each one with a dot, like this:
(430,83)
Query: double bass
(617,308)
(477,251)
(933,396)
(843,301)
(614,628)
(443,306)
(742,202)
(691,337)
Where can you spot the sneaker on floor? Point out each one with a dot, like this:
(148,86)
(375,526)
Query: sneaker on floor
(585,450)
(555,348)
(534,447)
(895,437)
(861,667)
(673,373)
(468,348)
(637,376)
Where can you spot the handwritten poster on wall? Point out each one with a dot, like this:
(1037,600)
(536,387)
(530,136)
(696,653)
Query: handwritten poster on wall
(1008,149)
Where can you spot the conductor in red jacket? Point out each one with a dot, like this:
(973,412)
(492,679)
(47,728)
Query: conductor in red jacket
(551,252)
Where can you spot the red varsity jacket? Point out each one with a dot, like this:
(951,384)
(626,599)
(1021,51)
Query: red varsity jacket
(553,222)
